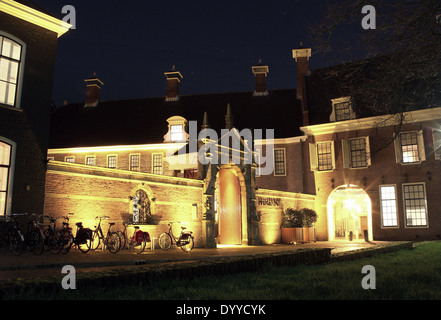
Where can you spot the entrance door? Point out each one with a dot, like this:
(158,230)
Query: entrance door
(349,212)
(230,209)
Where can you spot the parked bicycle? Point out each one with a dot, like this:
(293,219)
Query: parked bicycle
(111,241)
(82,239)
(15,237)
(137,242)
(52,236)
(185,240)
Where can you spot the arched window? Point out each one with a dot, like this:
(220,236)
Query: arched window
(142,213)
(5,173)
(11,53)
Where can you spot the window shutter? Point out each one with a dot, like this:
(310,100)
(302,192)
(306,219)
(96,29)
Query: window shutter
(421,149)
(398,151)
(313,156)
(346,154)
(333,154)
(368,152)
(436,137)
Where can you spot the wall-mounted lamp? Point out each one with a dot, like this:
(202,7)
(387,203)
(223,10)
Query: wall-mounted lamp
(429,176)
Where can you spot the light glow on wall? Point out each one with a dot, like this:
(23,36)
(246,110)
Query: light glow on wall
(34,16)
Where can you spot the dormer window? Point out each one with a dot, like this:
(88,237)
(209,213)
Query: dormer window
(342,109)
(176,130)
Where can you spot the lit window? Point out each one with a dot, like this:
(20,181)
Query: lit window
(279,162)
(415,205)
(90,161)
(322,157)
(10,59)
(69,159)
(5,169)
(134,162)
(176,129)
(409,147)
(388,203)
(111,161)
(342,109)
(157,163)
(356,153)
(176,133)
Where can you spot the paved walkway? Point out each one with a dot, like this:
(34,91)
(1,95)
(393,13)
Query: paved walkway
(28,265)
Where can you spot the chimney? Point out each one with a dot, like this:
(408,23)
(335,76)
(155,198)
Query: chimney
(173,80)
(302,56)
(93,91)
(260,72)
(229,120)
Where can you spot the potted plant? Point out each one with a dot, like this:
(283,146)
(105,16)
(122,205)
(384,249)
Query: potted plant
(298,225)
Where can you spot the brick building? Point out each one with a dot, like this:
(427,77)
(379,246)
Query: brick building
(28,42)
(115,158)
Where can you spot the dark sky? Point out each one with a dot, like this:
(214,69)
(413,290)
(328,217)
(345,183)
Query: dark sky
(131,43)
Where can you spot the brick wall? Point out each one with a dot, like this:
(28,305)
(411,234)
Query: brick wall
(270,205)
(383,170)
(88,193)
(28,125)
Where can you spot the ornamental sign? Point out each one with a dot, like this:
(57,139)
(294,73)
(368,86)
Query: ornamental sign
(268,201)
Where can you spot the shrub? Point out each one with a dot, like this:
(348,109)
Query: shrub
(298,218)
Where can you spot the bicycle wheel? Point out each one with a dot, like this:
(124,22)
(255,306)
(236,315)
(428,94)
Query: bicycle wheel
(96,240)
(122,236)
(54,243)
(165,241)
(85,247)
(36,242)
(188,246)
(139,246)
(16,244)
(113,242)
(66,241)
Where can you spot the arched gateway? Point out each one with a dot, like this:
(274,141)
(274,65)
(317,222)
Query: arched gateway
(349,213)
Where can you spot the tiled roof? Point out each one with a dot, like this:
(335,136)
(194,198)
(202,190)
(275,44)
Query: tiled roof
(143,121)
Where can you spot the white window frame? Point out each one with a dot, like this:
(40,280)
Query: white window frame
(90,157)
(19,84)
(420,148)
(116,161)
(10,186)
(139,162)
(162,163)
(335,102)
(347,153)
(284,162)
(405,207)
(69,157)
(395,206)
(314,156)
(174,122)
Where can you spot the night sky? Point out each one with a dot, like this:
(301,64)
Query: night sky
(130,44)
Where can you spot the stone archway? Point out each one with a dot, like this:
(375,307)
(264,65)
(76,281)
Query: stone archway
(349,213)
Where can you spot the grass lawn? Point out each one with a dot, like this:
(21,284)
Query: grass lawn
(406,274)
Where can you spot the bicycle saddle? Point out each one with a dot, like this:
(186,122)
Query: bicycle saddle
(112,223)
(183,228)
(136,227)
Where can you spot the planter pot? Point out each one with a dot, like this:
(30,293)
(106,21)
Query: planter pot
(298,235)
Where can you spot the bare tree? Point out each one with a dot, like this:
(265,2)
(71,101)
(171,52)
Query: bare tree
(398,65)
